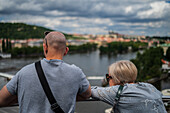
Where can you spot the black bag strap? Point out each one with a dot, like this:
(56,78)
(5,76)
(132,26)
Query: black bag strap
(54,106)
(117,97)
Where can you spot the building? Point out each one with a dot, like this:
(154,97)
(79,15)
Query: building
(165,47)
(35,42)
(19,43)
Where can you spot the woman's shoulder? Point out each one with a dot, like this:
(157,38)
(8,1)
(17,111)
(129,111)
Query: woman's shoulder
(144,89)
(139,84)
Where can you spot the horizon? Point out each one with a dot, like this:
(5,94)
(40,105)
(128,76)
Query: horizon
(84,33)
(148,18)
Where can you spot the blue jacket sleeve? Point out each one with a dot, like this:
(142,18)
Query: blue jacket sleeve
(106,94)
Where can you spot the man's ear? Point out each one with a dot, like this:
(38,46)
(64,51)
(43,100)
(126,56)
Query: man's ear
(66,51)
(44,46)
(45,49)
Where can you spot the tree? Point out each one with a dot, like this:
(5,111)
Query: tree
(3,46)
(7,44)
(168,54)
(149,63)
(10,45)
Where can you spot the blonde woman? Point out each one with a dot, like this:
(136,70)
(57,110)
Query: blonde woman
(125,95)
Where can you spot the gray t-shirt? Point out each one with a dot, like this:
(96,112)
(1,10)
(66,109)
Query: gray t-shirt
(135,98)
(65,81)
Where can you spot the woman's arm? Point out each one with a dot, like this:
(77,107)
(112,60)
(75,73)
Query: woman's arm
(105,94)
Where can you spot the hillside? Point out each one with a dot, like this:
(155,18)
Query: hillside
(23,31)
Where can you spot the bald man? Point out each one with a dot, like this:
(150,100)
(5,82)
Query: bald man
(66,81)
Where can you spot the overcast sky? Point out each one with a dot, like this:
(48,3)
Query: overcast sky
(133,17)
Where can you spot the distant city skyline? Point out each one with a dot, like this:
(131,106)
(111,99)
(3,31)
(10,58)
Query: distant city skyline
(131,17)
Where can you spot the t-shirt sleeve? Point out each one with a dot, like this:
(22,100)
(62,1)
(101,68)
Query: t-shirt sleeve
(12,85)
(106,94)
(84,83)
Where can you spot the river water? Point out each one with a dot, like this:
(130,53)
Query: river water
(92,63)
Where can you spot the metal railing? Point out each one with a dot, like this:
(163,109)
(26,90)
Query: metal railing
(86,106)
(166,99)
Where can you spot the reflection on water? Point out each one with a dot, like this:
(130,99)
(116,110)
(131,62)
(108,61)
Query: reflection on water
(92,64)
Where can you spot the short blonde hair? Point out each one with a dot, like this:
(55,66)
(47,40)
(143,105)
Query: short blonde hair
(123,71)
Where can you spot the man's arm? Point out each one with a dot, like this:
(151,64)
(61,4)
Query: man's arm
(6,98)
(85,95)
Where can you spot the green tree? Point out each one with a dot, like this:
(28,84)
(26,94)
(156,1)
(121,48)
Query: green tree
(149,63)
(27,52)
(121,47)
(10,45)
(83,48)
(7,45)
(168,54)
(3,46)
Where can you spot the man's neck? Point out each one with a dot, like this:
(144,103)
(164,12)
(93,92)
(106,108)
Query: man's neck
(54,57)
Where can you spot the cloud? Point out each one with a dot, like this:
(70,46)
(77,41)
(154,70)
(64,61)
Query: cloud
(158,10)
(91,16)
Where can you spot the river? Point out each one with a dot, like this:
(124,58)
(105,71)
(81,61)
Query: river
(92,63)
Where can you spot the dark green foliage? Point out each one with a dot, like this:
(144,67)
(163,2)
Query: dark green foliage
(27,52)
(3,46)
(71,37)
(82,48)
(10,45)
(149,63)
(168,54)
(38,51)
(122,47)
(160,38)
(24,31)
(6,45)
(103,49)
(21,31)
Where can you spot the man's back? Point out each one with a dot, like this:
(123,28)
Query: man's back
(64,80)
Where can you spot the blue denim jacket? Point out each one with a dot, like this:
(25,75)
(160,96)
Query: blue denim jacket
(135,98)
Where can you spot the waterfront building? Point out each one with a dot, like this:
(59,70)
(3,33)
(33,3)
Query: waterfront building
(165,47)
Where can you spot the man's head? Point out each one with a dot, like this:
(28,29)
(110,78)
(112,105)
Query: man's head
(123,71)
(54,44)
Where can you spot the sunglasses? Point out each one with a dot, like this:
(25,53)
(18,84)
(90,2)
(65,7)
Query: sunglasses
(108,77)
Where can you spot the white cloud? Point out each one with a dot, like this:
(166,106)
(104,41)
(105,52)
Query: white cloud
(92,30)
(90,16)
(128,9)
(158,10)
(4,4)
(29,6)
(54,13)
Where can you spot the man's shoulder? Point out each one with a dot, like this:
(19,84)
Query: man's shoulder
(28,68)
(72,66)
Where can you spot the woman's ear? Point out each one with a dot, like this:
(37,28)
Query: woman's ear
(111,82)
